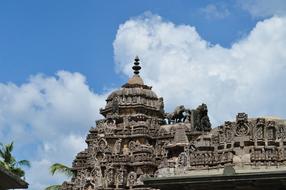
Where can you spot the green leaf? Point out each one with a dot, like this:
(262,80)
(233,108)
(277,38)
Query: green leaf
(61,168)
(53,187)
(18,171)
(10,147)
(2,150)
(24,163)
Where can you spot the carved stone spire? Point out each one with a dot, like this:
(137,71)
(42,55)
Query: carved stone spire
(136,79)
(136,66)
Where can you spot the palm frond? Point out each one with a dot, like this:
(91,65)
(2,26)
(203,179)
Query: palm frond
(10,146)
(24,163)
(18,171)
(61,168)
(1,154)
(7,153)
(1,149)
(4,165)
(9,162)
(53,187)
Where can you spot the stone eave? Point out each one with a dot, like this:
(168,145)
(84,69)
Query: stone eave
(128,85)
(9,180)
(127,136)
(129,106)
(256,180)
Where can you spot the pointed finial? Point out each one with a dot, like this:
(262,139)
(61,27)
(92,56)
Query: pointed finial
(136,66)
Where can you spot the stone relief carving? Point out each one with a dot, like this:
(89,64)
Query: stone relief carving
(120,177)
(102,145)
(201,119)
(242,126)
(96,174)
(131,179)
(117,147)
(115,105)
(109,176)
(271,131)
(260,128)
(242,129)
(182,160)
(281,132)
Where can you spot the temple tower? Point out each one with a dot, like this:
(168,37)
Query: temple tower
(121,147)
(135,139)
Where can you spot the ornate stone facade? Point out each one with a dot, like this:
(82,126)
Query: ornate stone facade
(246,145)
(137,139)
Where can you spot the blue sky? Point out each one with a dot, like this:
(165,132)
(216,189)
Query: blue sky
(60,59)
(47,36)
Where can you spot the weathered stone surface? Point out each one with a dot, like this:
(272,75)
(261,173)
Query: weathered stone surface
(137,139)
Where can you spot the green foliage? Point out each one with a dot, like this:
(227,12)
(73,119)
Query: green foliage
(8,161)
(59,168)
(53,187)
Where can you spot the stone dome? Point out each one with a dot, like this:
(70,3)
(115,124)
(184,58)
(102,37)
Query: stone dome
(134,91)
(134,94)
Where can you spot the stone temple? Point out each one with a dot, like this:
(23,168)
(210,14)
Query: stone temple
(139,146)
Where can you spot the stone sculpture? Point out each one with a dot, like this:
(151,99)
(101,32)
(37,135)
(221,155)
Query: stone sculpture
(117,146)
(177,115)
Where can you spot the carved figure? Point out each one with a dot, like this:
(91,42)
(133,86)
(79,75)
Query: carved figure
(109,176)
(281,132)
(202,121)
(102,144)
(97,176)
(177,115)
(241,118)
(161,104)
(125,150)
(115,105)
(119,177)
(89,182)
(242,130)
(117,147)
(271,130)
(131,179)
(260,125)
(182,160)
(242,127)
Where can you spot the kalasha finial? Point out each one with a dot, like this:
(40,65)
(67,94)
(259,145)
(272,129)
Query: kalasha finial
(136,66)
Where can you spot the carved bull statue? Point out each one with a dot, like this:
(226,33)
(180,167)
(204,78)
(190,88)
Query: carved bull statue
(177,115)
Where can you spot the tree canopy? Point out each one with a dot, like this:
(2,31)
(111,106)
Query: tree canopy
(9,162)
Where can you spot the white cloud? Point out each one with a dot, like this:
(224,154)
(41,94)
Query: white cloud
(212,11)
(186,69)
(48,118)
(264,8)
